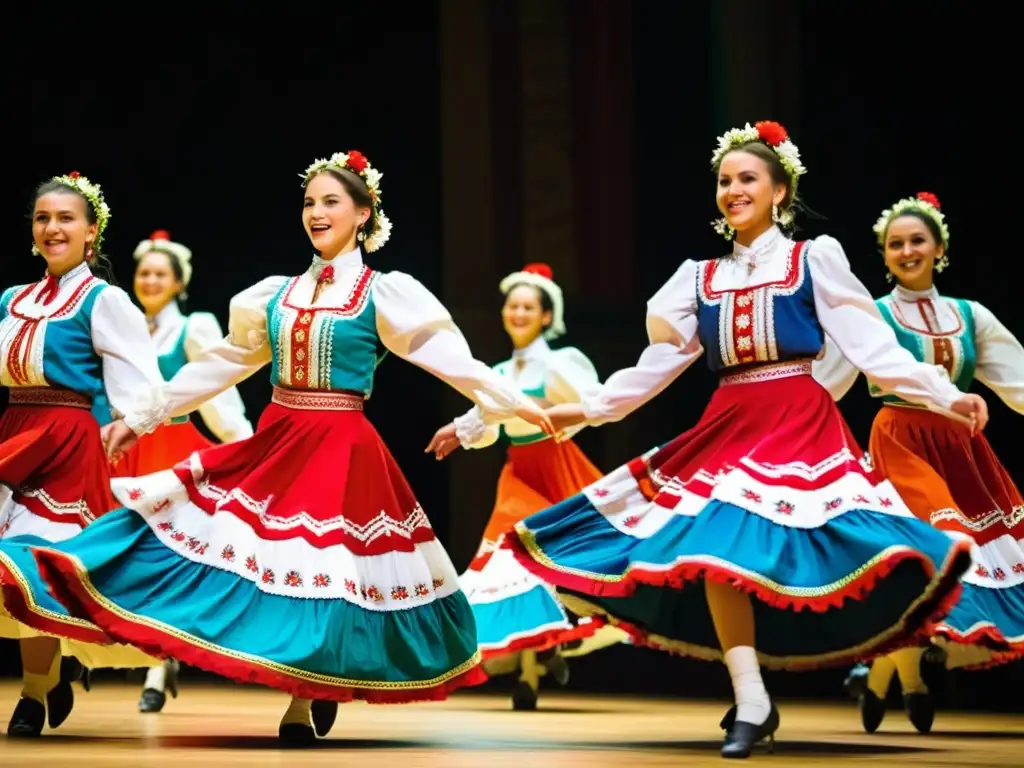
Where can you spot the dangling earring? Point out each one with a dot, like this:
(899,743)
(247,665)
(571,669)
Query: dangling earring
(775,213)
(360,236)
(888,276)
(36,251)
(722,227)
(89,254)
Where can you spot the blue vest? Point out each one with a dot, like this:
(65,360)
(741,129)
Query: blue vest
(324,348)
(768,323)
(955,351)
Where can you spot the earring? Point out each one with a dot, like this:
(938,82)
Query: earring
(89,254)
(941,264)
(775,213)
(36,251)
(722,227)
(888,276)
(360,236)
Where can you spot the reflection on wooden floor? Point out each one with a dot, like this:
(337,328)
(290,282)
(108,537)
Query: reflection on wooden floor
(226,725)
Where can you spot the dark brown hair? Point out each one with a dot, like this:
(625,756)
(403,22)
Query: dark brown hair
(776,170)
(357,190)
(99,264)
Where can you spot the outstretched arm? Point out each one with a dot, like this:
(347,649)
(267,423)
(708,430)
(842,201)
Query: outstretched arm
(850,317)
(672,348)
(414,325)
(1000,358)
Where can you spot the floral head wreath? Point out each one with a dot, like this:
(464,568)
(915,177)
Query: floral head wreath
(925,204)
(160,242)
(772,135)
(94,195)
(540,276)
(356,162)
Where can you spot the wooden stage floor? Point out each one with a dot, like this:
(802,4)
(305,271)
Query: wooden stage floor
(229,726)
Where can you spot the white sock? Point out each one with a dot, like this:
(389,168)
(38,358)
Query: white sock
(908,667)
(752,703)
(156,678)
(298,712)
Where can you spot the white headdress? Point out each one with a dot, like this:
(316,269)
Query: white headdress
(160,241)
(540,276)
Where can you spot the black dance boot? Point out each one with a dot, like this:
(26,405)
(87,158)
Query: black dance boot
(27,720)
(743,736)
(920,709)
(324,713)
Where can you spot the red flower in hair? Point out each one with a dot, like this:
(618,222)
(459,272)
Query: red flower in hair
(771,133)
(74,175)
(539,269)
(160,234)
(931,199)
(357,161)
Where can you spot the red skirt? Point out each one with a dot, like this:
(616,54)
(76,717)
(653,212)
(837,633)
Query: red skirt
(53,464)
(161,449)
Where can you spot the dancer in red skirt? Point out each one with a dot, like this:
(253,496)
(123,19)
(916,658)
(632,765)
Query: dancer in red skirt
(948,476)
(298,558)
(162,277)
(765,516)
(71,347)
(517,615)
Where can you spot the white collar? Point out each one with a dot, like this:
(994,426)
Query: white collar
(341,262)
(169,313)
(71,274)
(536,348)
(761,249)
(908,295)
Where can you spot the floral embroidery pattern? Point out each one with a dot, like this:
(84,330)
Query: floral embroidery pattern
(749,495)
(784,507)
(292,579)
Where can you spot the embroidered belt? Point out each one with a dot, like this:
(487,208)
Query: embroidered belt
(48,396)
(312,400)
(768,372)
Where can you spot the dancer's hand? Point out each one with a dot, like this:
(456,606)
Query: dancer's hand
(566,415)
(534,415)
(975,409)
(117,438)
(444,442)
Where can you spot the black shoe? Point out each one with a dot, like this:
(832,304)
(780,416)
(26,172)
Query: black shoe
(743,736)
(296,735)
(872,710)
(171,685)
(324,714)
(920,709)
(152,701)
(524,698)
(59,703)
(27,720)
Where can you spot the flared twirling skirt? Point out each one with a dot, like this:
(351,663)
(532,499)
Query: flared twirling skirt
(769,493)
(955,482)
(54,481)
(515,610)
(298,558)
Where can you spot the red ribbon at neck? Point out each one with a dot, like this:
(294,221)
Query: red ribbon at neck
(49,290)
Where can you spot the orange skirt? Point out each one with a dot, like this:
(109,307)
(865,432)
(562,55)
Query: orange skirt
(955,482)
(945,476)
(535,476)
(161,449)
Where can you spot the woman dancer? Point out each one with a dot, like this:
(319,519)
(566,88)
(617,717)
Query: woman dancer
(298,558)
(71,346)
(768,496)
(162,277)
(517,616)
(947,476)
